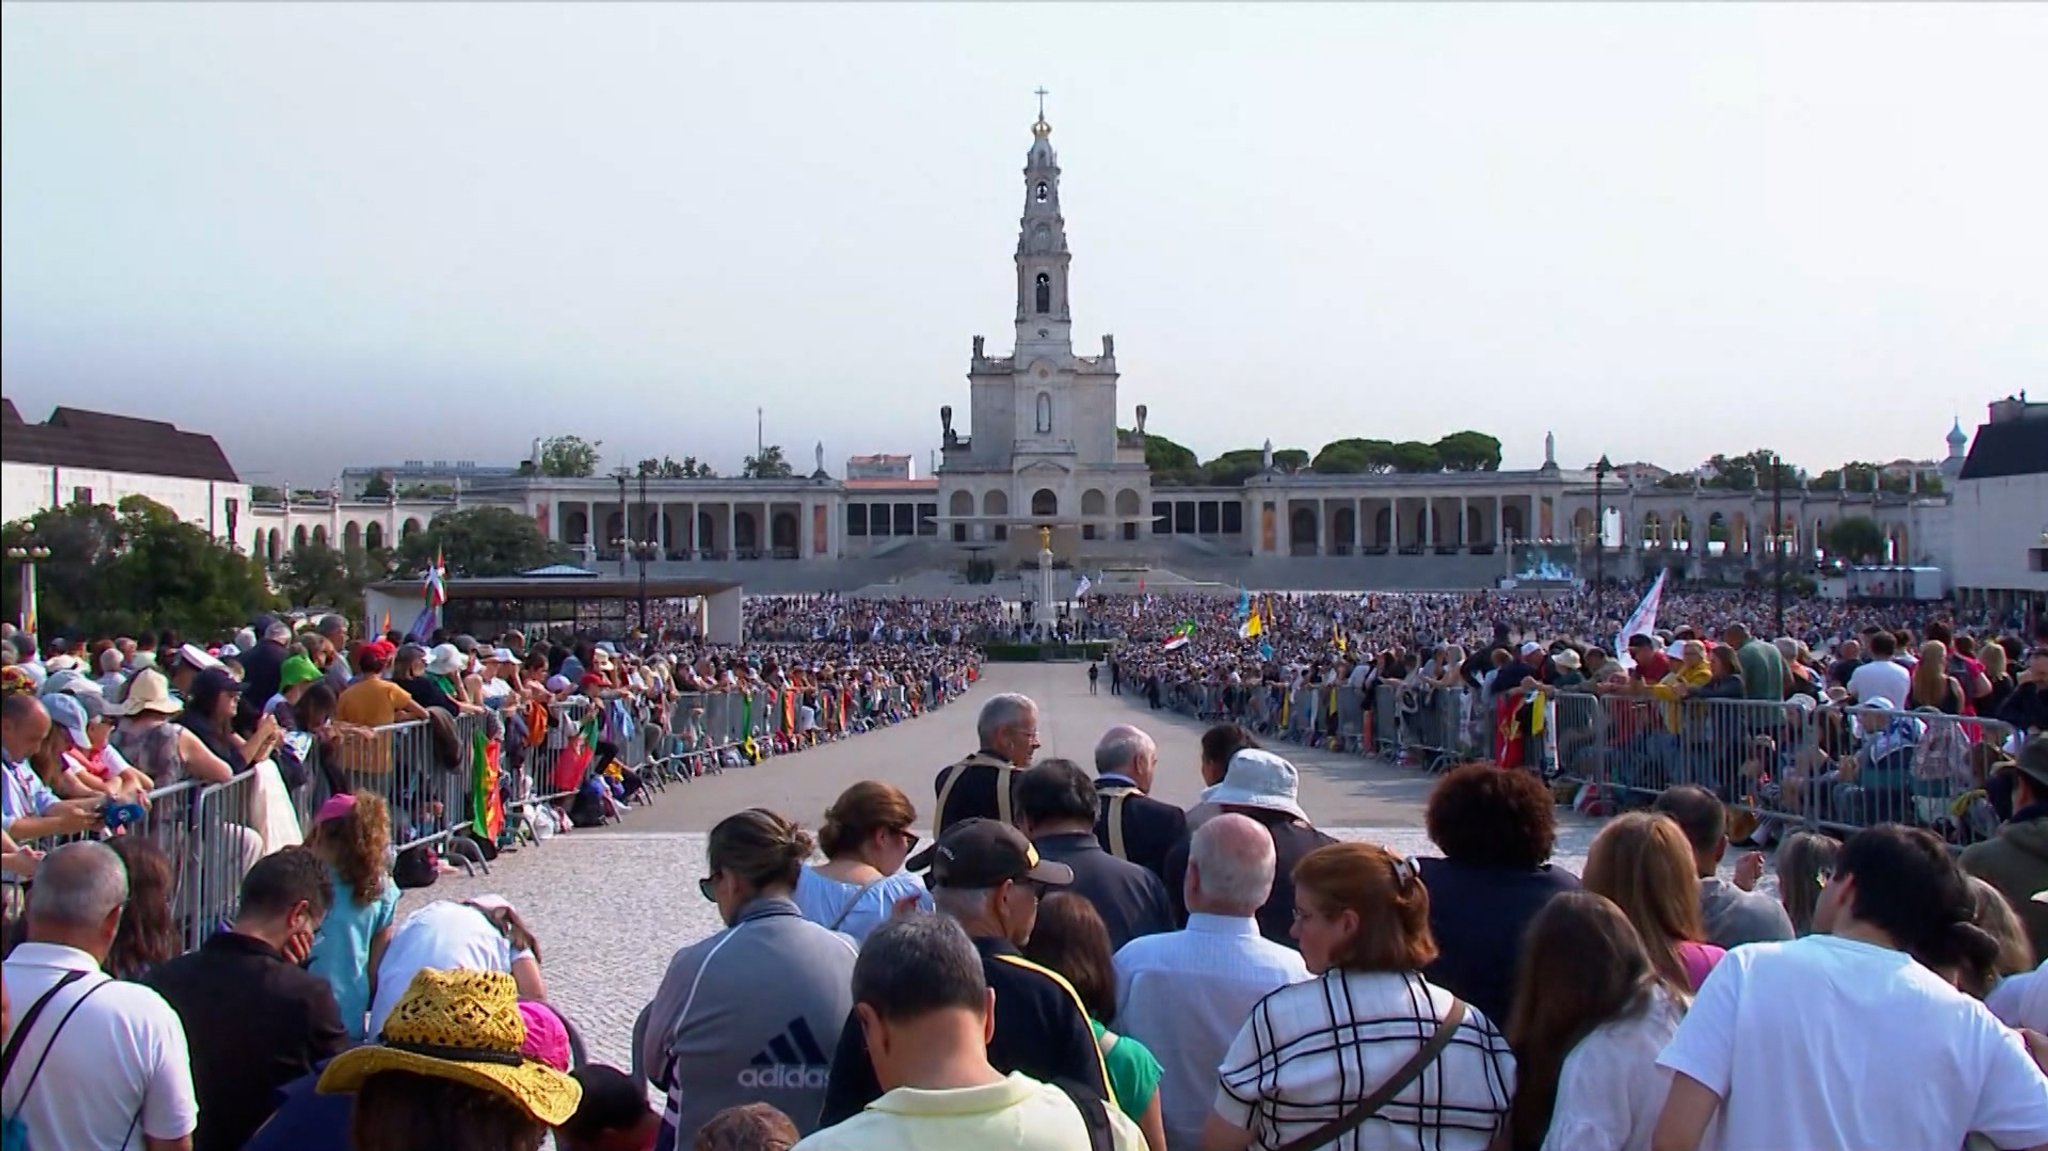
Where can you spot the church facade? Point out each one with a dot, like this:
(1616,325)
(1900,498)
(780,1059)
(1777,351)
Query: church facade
(1043,447)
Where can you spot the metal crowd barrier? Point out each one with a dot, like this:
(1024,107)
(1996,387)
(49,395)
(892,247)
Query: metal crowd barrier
(1826,765)
(1791,763)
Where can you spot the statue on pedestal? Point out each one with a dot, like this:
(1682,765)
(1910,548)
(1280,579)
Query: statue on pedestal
(946,425)
(1550,449)
(979,344)
(1044,539)
(1266,456)
(819,452)
(1141,419)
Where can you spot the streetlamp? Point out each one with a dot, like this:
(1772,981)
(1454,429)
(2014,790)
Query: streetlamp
(28,557)
(1778,541)
(641,551)
(1601,471)
(625,528)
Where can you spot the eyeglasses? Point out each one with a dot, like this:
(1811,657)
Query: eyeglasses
(707,887)
(910,838)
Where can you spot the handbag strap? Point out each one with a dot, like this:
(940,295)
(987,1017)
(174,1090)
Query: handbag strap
(49,1044)
(1351,1120)
(853,901)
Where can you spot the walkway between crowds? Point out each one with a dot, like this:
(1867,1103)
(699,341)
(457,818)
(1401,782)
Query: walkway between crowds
(612,906)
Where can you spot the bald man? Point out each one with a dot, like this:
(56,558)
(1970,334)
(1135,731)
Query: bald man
(1130,823)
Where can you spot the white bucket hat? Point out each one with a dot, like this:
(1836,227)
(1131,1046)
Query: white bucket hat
(1258,778)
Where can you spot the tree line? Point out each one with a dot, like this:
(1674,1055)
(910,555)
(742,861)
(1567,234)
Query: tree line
(1174,465)
(573,457)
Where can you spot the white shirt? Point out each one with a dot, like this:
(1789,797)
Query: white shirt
(118,1071)
(444,936)
(2021,1000)
(1185,994)
(1610,1089)
(1829,1043)
(1881,679)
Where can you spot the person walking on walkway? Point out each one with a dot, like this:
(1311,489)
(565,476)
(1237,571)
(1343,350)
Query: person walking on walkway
(982,786)
(1056,808)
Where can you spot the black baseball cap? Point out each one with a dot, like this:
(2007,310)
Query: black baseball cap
(984,853)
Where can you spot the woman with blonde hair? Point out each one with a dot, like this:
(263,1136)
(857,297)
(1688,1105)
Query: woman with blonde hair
(1415,1066)
(1643,863)
(352,835)
(2015,953)
(866,837)
(1932,685)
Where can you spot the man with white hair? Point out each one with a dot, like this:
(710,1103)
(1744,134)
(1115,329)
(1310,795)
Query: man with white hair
(1185,994)
(110,1056)
(1130,823)
(983,785)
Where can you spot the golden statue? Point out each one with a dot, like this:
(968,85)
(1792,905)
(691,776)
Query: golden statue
(1044,539)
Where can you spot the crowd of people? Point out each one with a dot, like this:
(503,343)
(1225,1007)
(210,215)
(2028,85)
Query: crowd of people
(1070,964)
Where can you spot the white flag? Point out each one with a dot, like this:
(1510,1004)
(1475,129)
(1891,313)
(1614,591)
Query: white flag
(1643,621)
(1081,587)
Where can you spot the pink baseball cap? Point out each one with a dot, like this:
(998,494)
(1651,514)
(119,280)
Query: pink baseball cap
(335,807)
(546,1039)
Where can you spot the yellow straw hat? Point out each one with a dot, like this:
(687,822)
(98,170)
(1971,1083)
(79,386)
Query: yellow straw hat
(464,1026)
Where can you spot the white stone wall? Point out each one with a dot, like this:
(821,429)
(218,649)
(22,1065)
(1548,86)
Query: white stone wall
(26,489)
(1993,524)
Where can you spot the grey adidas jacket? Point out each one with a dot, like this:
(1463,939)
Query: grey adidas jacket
(749,1015)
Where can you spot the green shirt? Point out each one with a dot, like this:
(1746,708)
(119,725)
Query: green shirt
(1133,1071)
(1763,670)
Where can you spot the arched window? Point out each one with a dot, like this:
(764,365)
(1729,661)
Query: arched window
(1041,193)
(1044,413)
(1044,293)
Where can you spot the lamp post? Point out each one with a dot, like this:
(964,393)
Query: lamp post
(625,529)
(641,551)
(28,557)
(1601,471)
(1778,539)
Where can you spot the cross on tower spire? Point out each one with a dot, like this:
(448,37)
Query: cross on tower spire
(1041,93)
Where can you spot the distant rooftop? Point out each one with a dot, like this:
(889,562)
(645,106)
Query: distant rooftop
(2013,443)
(77,438)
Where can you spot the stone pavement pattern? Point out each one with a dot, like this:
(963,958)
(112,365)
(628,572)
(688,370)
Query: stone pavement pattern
(612,906)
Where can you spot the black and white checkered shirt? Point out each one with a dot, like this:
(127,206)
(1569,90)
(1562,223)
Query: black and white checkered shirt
(1310,1050)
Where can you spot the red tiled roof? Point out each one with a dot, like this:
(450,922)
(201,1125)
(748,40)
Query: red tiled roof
(77,438)
(892,485)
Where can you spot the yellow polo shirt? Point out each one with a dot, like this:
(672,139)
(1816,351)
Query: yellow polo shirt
(1017,1114)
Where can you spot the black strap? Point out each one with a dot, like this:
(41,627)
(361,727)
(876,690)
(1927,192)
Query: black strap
(1351,1120)
(50,1044)
(1094,1116)
(23,1025)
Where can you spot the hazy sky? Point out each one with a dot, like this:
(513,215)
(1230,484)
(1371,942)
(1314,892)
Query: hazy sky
(339,233)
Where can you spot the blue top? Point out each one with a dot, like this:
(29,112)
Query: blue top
(341,948)
(844,907)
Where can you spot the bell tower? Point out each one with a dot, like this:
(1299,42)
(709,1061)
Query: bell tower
(1044,321)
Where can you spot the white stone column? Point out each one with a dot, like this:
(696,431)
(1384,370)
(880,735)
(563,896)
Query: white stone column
(1322,528)
(1428,525)
(732,529)
(1464,532)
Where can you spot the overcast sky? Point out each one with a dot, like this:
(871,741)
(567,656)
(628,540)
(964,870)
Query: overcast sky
(338,234)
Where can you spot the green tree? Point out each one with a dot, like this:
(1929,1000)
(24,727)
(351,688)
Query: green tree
(1469,451)
(570,457)
(1749,471)
(1290,459)
(321,576)
(1355,457)
(265,494)
(134,568)
(426,491)
(1855,538)
(769,465)
(479,542)
(667,468)
(379,487)
(1172,465)
(1234,467)
(1413,457)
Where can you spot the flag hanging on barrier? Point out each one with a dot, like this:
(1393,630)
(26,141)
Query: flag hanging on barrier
(1643,621)
(486,765)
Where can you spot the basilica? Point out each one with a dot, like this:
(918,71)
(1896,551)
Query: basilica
(1044,443)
